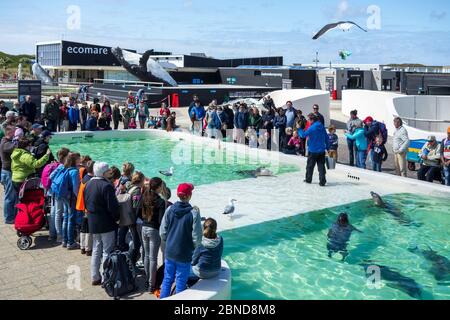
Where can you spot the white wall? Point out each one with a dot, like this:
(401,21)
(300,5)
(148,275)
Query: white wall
(303,99)
(385,106)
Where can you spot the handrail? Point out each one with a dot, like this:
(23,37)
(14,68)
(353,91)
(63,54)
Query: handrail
(425,120)
(129,82)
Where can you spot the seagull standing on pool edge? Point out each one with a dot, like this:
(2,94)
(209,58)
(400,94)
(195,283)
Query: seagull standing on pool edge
(229,209)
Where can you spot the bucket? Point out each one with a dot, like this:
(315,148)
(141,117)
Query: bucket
(331,163)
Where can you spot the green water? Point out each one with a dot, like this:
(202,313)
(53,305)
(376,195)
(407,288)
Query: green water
(287,259)
(195,163)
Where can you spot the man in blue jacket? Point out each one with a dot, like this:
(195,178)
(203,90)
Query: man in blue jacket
(240,124)
(197,115)
(318,144)
(181,230)
(74,115)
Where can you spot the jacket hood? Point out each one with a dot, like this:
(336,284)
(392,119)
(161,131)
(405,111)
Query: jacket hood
(181,209)
(211,243)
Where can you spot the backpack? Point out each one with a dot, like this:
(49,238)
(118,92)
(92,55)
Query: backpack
(61,186)
(119,277)
(383,132)
(127,213)
(45,177)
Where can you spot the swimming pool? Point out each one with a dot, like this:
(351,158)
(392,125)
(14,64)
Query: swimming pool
(275,243)
(198,163)
(287,258)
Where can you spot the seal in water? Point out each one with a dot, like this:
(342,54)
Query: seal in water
(440,265)
(398,281)
(394,212)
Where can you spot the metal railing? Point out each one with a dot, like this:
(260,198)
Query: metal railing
(427,124)
(128,82)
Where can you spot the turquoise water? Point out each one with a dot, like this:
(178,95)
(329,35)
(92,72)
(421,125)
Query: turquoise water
(287,259)
(195,163)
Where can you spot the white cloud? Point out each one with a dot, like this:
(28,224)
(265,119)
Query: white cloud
(342,9)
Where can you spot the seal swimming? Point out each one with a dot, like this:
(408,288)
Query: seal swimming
(339,235)
(398,281)
(440,265)
(394,212)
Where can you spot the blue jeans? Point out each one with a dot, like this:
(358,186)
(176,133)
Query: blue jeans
(447,176)
(103,245)
(377,166)
(351,144)
(151,242)
(374,168)
(69,222)
(361,159)
(56,216)
(175,271)
(9,204)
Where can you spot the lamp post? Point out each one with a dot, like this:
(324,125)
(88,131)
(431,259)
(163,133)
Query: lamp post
(317,59)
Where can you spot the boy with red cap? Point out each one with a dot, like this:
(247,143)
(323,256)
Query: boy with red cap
(181,230)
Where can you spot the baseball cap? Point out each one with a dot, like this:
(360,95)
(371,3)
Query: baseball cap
(448,130)
(368,119)
(10,114)
(431,138)
(37,126)
(185,189)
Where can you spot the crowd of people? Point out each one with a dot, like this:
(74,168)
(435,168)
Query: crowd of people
(98,209)
(307,136)
(64,115)
(369,138)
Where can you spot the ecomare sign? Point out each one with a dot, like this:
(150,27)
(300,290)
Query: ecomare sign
(88,50)
(83,54)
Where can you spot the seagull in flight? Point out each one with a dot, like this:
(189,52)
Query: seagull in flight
(343,25)
(229,209)
(168,173)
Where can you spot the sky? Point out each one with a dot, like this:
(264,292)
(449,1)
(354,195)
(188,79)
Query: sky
(414,31)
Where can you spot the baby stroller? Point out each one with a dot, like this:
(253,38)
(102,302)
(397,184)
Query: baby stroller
(30,212)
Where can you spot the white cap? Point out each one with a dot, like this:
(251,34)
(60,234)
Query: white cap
(10,114)
(100,168)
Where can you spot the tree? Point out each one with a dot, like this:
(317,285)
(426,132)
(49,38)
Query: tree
(4,61)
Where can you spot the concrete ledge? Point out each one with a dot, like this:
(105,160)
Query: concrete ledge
(218,288)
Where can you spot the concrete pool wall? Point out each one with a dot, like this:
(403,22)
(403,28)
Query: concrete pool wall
(422,115)
(269,198)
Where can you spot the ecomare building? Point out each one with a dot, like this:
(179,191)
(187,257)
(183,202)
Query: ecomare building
(73,62)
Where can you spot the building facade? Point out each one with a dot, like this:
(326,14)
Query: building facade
(73,62)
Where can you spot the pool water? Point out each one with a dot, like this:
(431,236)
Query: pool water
(288,258)
(197,163)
